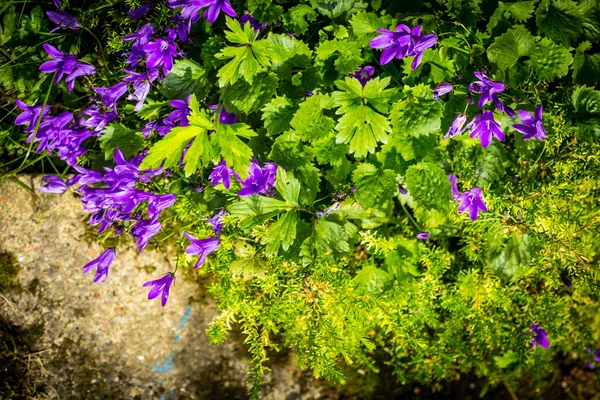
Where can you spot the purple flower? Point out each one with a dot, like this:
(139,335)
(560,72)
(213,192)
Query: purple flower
(216,222)
(402,43)
(142,36)
(160,286)
(259,181)
(62,19)
(532,124)
(540,337)
(484,126)
(141,85)
(470,98)
(191,8)
(221,174)
(85,176)
(160,53)
(308,93)
(224,117)
(144,230)
(62,63)
(257,26)
(471,200)
(110,95)
(97,118)
(158,203)
(455,191)
(52,184)
(363,74)
(30,115)
(336,206)
(423,235)
(402,189)
(201,247)
(215,9)
(456,128)
(488,91)
(102,264)
(140,12)
(441,89)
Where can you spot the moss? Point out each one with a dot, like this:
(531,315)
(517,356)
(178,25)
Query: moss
(8,272)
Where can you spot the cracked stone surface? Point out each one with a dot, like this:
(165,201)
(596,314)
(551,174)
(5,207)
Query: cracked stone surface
(107,340)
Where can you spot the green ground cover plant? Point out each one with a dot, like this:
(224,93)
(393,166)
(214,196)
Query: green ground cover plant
(371,184)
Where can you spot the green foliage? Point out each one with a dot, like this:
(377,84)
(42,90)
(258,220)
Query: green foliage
(187,77)
(586,102)
(116,136)
(418,114)
(428,186)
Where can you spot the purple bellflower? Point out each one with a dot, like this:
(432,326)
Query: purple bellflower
(52,184)
(259,181)
(201,247)
(110,95)
(102,264)
(158,203)
(483,126)
(456,128)
(216,222)
(221,174)
(330,210)
(62,64)
(423,235)
(402,189)
(141,85)
(540,337)
(142,36)
(225,118)
(30,115)
(595,354)
(532,124)
(488,91)
(139,12)
(442,89)
(402,43)
(363,74)
(471,200)
(96,119)
(160,53)
(455,191)
(191,8)
(62,19)
(161,287)
(254,23)
(215,9)
(143,231)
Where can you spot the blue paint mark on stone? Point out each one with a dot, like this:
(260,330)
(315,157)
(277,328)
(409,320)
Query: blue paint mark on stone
(186,317)
(167,365)
(177,337)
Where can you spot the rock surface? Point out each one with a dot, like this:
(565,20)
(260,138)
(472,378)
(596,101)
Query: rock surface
(107,340)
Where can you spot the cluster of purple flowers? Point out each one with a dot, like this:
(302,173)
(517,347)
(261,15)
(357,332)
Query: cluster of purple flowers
(190,9)
(470,200)
(405,42)
(259,180)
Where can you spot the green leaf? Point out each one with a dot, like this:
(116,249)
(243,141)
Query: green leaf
(505,360)
(360,125)
(289,151)
(264,10)
(508,48)
(403,150)
(328,239)
(254,210)
(309,177)
(429,186)
(348,55)
(590,10)
(282,233)
(520,11)
(277,114)
(491,165)
(243,97)
(287,186)
(365,25)
(586,102)
(9,24)
(510,259)
(296,19)
(310,122)
(187,77)
(234,151)
(289,51)
(116,136)
(560,20)
(373,186)
(550,60)
(419,114)
(248,264)
(248,59)
(586,67)
(335,8)
(371,279)
(328,150)
(151,110)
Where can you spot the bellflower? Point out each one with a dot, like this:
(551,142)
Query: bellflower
(85,176)
(158,203)
(52,184)
(30,115)
(62,63)
(110,95)
(141,85)
(102,264)
(402,43)
(50,131)
(363,74)
(423,236)
(471,200)
(402,189)
(540,337)
(442,89)
(215,221)
(221,174)
(532,124)
(455,191)
(62,19)
(484,126)
(160,287)
(96,118)
(488,91)
(142,36)
(160,53)
(330,210)
(456,128)
(257,26)
(215,9)
(144,230)
(180,113)
(259,181)
(191,8)
(140,12)
(201,247)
